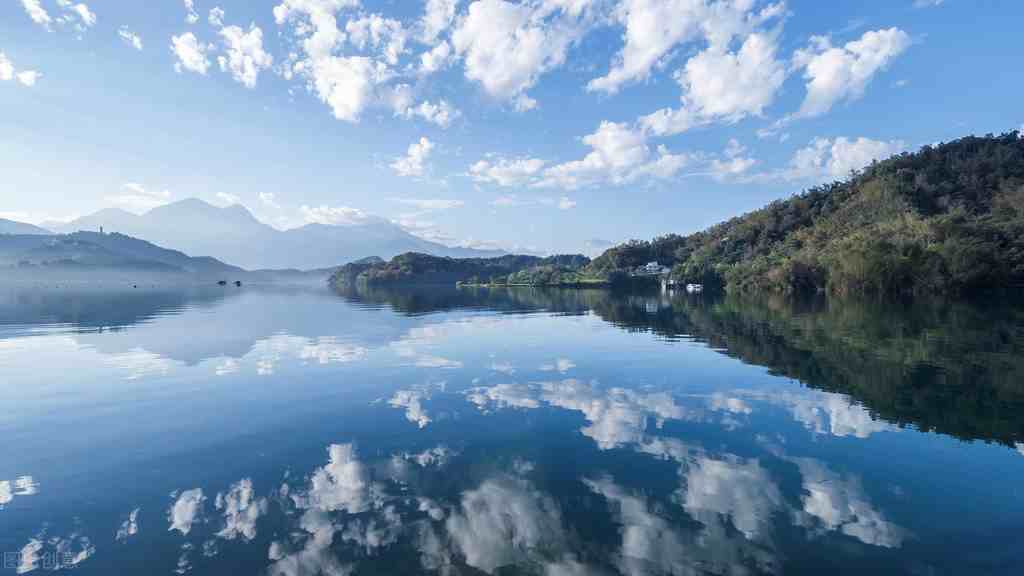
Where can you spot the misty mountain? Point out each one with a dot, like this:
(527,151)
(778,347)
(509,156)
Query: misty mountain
(234,235)
(12,227)
(84,251)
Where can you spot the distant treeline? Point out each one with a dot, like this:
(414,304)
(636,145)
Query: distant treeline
(415,268)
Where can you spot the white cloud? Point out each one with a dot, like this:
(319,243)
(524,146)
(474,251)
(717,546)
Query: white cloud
(431,204)
(241,511)
(438,15)
(566,203)
(9,72)
(412,401)
(739,489)
(28,77)
(186,510)
(332,215)
(77,16)
(927,3)
(507,47)
(835,159)
(440,114)
(347,84)
(269,200)
(130,38)
(722,169)
(6,67)
(341,484)
(374,31)
(619,154)
(832,502)
(506,171)
(412,164)
(37,13)
(835,74)
(245,56)
(653,28)
(191,15)
(504,522)
(190,53)
(436,58)
(136,198)
(228,199)
(216,17)
(724,85)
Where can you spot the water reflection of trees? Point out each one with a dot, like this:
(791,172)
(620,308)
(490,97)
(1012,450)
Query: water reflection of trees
(950,367)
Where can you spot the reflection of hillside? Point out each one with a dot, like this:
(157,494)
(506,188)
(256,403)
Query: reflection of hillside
(99,308)
(190,325)
(424,300)
(955,368)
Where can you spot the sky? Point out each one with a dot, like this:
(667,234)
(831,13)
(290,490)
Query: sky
(534,126)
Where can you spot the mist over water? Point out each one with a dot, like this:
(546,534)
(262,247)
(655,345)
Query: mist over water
(299,431)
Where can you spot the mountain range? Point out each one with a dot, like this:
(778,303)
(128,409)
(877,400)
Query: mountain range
(232,234)
(12,227)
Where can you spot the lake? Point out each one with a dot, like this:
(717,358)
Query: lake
(289,431)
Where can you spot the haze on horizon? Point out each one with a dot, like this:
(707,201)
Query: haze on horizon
(539,126)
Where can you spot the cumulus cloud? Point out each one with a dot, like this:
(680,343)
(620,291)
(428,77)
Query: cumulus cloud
(834,159)
(241,510)
(383,34)
(431,204)
(413,163)
(438,16)
(619,154)
(76,15)
(717,82)
(506,47)
(503,522)
(739,489)
(831,502)
(136,198)
(442,113)
(341,484)
(347,84)
(130,38)
(9,72)
(332,215)
(37,13)
(190,54)
(506,171)
(191,16)
(216,17)
(186,510)
(412,402)
(838,73)
(244,55)
(437,58)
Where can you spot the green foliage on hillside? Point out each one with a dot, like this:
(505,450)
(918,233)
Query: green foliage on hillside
(947,219)
(415,268)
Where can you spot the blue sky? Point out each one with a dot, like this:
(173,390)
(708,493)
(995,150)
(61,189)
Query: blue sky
(542,125)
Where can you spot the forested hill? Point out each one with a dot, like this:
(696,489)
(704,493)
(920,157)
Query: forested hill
(415,268)
(946,219)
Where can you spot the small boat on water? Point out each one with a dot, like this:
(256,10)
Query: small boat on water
(694,288)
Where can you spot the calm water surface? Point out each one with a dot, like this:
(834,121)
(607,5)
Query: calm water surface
(301,432)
